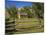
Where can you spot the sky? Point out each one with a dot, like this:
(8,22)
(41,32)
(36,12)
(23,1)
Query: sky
(18,4)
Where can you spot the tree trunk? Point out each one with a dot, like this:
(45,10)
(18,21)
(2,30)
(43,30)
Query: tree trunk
(18,13)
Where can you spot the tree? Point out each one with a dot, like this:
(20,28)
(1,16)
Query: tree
(18,13)
(12,11)
(27,10)
(38,8)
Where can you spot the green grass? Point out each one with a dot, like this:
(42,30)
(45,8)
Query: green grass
(31,25)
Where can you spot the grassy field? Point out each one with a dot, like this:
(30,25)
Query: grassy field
(31,25)
(28,25)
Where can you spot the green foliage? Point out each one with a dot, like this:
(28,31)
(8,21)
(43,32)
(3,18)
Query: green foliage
(27,10)
(39,9)
(12,11)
